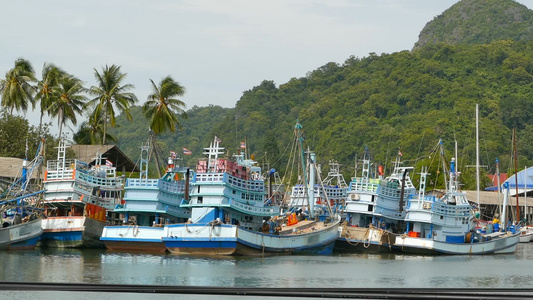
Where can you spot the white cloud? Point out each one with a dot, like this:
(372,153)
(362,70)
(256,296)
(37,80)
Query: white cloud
(216,49)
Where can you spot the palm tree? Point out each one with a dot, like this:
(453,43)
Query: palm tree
(68,100)
(162,105)
(17,91)
(46,88)
(90,133)
(109,94)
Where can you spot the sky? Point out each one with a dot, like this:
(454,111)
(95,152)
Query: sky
(215,49)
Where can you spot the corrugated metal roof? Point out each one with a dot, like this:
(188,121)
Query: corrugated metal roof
(11,167)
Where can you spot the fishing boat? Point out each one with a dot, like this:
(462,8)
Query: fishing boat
(21,223)
(225,194)
(303,231)
(76,200)
(20,214)
(444,223)
(149,204)
(375,209)
(333,188)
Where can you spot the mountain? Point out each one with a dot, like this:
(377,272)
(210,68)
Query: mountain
(479,22)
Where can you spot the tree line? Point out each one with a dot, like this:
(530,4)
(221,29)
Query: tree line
(62,95)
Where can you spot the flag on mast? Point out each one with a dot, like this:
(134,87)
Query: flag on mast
(187,151)
(108,163)
(243,145)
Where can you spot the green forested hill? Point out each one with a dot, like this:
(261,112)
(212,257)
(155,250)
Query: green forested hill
(405,100)
(479,22)
(478,51)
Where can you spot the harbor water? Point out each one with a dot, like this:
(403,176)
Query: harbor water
(333,271)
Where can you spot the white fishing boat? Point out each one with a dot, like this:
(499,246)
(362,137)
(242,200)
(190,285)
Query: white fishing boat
(444,224)
(224,194)
(333,188)
(305,232)
(76,200)
(20,211)
(149,204)
(375,209)
(526,234)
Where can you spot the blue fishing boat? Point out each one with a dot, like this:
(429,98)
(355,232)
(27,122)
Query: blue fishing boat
(76,200)
(224,194)
(149,204)
(21,223)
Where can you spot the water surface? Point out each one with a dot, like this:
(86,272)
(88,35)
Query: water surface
(334,271)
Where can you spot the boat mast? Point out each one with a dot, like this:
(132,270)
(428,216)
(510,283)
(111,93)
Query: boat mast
(477,158)
(504,206)
(311,186)
(516,175)
(298,131)
(443,163)
(498,180)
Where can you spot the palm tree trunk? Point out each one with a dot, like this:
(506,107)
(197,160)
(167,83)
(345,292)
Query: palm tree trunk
(40,123)
(60,121)
(105,125)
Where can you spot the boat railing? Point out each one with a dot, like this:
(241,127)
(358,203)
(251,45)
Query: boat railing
(137,182)
(393,214)
(173,187)
(364,184)
(243,184)
(415,202)
(430,203)
(104,182)
(254,210)
(57,170)
(209,177)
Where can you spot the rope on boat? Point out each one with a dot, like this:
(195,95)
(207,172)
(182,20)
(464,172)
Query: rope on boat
(134,226)
(348,236)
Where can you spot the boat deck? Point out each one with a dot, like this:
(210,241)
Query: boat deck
(304,226)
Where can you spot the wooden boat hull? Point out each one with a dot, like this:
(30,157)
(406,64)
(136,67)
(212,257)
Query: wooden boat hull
(501,245)
(22,236)
(200,239)
(320,241)
(364,239)
(72,232)
(134,238)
